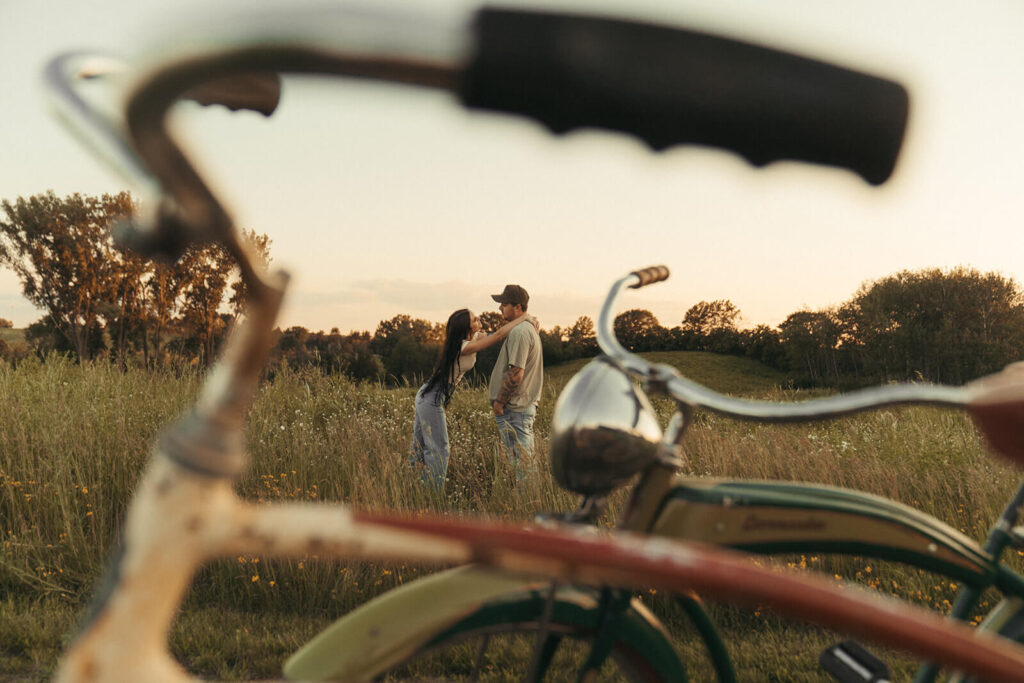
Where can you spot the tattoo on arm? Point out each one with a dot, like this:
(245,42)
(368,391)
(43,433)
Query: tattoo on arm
(509,383)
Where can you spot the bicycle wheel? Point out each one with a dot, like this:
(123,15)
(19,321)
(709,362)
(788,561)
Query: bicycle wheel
(511,640)
(476,624)
(1007,620)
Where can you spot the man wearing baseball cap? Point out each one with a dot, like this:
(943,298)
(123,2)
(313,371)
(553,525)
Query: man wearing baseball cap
(516,381)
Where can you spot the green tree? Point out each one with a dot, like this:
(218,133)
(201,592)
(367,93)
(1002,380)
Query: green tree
(293,345)
(940,325)
(390,331)
(359,362)
(186,297)
(410,361)
(330,353)
(207,268)
(407,346)
(711,326)
(582,338)
(764,344)
(98,297)
(125,313)
(61,252)
(553,344)
(704,317)
(259,249)
(164,295)
(490,321)
(637,329)
(810,340)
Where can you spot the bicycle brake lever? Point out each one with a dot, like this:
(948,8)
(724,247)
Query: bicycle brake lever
(671,86)
(256,91)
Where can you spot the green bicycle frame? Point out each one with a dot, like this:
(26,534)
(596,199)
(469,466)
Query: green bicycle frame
(774,517)
(764,517)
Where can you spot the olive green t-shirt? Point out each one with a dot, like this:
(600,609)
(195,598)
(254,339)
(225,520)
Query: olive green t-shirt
(521,349)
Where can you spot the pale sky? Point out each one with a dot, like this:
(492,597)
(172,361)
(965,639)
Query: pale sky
(383,200)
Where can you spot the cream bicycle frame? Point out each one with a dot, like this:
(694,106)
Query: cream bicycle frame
(185,513)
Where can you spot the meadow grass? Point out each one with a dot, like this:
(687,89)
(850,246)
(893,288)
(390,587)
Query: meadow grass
(74,440)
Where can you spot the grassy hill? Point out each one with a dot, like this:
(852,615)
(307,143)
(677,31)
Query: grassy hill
(728,374)
(11,335)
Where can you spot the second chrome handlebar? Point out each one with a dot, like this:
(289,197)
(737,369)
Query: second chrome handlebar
(667,380)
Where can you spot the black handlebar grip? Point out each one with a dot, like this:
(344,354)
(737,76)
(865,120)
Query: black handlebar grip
(648,276)
(672,86)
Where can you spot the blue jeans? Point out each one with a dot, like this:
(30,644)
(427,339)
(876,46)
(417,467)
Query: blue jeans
(429,449)
(516,432)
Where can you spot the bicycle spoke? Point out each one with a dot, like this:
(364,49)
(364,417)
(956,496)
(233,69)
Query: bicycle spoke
(534,672)
(543,656)
(480,655)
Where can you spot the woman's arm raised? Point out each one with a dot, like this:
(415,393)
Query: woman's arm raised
(483,341)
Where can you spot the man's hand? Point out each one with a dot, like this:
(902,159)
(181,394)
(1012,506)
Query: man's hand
(509,383)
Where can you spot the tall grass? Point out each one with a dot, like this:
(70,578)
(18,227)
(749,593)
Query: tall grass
(73,441)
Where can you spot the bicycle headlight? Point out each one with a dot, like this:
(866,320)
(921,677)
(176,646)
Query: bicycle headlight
(603,432)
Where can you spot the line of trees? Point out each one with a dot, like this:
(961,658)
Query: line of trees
(937,325)
(403,349)
(942,326)
(100,301)
(947,326)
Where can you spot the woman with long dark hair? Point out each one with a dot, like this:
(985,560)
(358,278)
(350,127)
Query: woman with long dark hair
(462,341)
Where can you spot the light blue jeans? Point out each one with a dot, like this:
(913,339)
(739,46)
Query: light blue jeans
(429,449)
(516,432)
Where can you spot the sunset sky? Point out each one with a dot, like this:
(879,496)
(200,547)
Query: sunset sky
(383,200)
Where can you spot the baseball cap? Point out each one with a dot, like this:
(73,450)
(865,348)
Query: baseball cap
(512,294)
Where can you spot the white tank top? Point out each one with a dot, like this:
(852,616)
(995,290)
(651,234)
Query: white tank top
(465,362)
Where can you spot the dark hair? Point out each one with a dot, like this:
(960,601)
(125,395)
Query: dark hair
(446,368)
